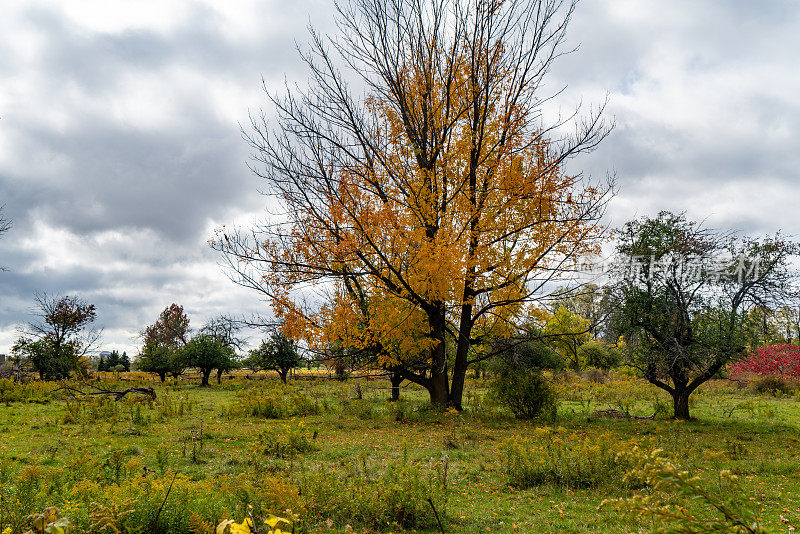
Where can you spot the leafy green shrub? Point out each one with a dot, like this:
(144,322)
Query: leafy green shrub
(562,460)
(771,385)
(599,355)
(524,391)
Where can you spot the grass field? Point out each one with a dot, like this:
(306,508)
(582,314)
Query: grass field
(201,455)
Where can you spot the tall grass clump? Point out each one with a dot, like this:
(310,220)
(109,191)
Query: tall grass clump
(374,496)
(564,460)
(275,403)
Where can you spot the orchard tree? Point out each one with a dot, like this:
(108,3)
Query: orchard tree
(278,353)
(432,210)
(162,343)
(685,295)
(160,360)
(56,343)
(228,332)
(206,353)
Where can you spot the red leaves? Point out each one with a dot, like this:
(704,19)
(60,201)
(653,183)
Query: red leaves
(771,360)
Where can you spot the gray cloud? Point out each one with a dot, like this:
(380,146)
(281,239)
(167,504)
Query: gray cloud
(120,147)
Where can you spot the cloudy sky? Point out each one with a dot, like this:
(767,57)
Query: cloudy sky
(121,150)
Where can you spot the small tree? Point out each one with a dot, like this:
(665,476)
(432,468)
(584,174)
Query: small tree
(160,360)
(162,342)
(684,295)
(56,342)
(206,353)
(125,362)
(228,332)
(598,354)
(566,332)
(276,354)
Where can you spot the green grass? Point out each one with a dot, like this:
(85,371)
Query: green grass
(401,453)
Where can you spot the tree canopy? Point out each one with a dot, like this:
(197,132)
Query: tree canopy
(685,295)
(433,214)
(57,341)
(278,353)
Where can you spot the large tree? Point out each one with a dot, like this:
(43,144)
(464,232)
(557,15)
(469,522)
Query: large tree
(62,334)
(431,211)
(685,295)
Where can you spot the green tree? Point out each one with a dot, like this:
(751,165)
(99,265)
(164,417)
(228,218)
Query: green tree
(228,332)
(278,353)
(160,360)
(163,340)
(684,297)
(57,342)
(206,353)
(566,332)
(125,361)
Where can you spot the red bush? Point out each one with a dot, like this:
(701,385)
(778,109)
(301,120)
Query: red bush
(771,360)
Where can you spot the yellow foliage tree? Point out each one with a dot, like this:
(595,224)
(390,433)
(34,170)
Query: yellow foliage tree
(432,212)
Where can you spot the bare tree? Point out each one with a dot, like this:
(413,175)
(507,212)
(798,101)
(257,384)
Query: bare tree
(5,226)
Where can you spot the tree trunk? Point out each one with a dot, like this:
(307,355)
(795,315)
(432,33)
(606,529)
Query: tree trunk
(283,373)
(439,385)
(206,374)
(680,404)
(462,353)
(219,376)
(396,380)
(162,376)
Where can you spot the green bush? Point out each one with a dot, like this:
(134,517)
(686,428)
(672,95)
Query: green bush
(599,355)
(524,391)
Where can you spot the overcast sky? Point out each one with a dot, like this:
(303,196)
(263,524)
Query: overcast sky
(121,150)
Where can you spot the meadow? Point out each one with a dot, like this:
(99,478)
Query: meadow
(338,456)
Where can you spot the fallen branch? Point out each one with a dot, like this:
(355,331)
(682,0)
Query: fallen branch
(116,394)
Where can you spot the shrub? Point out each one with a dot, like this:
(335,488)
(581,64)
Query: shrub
(524,391)
(771,360)
(674,495)
(599,355)
(772,385)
